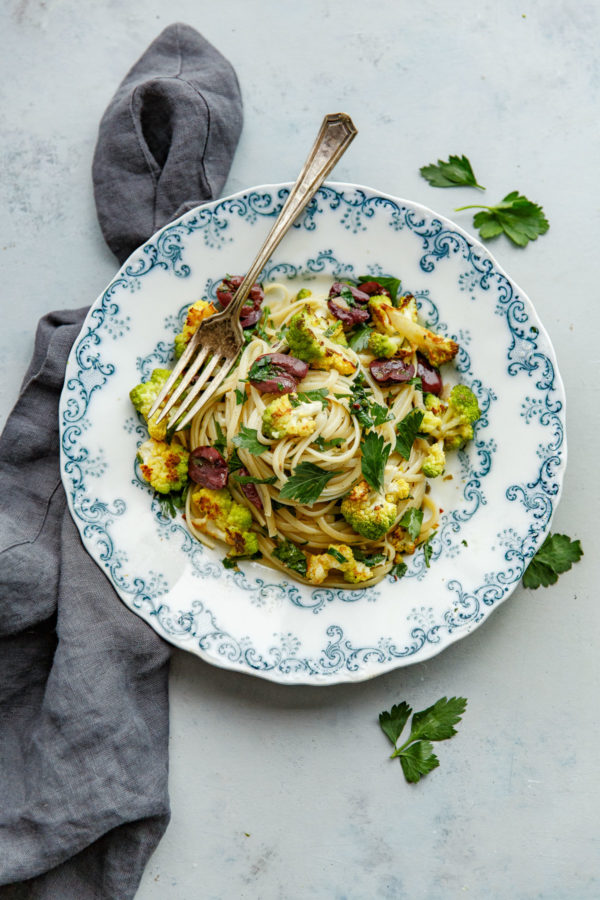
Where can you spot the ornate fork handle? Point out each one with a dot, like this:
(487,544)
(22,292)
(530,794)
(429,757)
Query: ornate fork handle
(336,134)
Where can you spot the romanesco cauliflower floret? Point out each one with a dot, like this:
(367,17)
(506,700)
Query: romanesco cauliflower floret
(451,420)
(367,512)
(337,556)
(391,321)
(216,514)
(398,489)
(164,466)
(288,417)
(143,396)
(198,311)
(435,460)
(307,341)
(384,346)
(402,542)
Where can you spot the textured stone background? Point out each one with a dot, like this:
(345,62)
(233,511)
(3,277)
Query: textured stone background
(288,793)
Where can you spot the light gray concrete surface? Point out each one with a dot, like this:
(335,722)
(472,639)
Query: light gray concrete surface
(284,793)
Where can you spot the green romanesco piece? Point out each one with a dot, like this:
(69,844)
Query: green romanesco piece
(435,460)
(288,417)
(308,342)
(340,557)
(367,512)
(218,515)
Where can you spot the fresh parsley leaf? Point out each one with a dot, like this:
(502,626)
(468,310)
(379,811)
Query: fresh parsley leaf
(392,723)
(221,441)
(520,219)
(261,369)
(399,570)
(240,397)
(375,454)
(235,462)
(307,483)
(362,406)
(556,555)
(407,431)
(411,520)
(436,723)
(417,760)
(359,339)
(251,479)
(454,173)
(416,380)
(337,555)
(428,548)
(248,440)
(374,560)
(291,556)
(323,445)
(229,563)
(311,396)
(380,414)
(346,294)
(386,281)
(171,502)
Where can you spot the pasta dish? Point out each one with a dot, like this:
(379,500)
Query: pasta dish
(316,453)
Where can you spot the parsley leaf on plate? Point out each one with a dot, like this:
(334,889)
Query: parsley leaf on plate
(291,556)
(436,723)
(428,548)
(375,454)
(407,431)
(240,397)
(556,555)
(454,173)
(520,219)
(337,555)
(411,520)
(374,560)
(307,483)
(399,570)
(322,444)
(221,441)
(248,440)
(319,394)
(359,339)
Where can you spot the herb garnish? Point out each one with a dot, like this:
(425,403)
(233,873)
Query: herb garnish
(171,502)
(359,339)
(374,560)
(290,556)
(407,431)
(368,413)
(399,570)
(337,555)
(375,454)
(307,483)
(520,219)
(319,394)
(556,555)
(248,440)
(411,520)
(323,445)
(240,397)
(220,441)
(428,548)
(436,723)
(454,173)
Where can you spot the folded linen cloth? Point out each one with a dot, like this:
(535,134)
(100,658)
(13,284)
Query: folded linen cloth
(83,681)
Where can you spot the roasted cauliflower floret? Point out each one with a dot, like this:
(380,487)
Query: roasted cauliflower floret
(308,341)
(198,311)
(216,514)
(451,420)
(435,460)
(337,556)
(143,396)
(402,542)
(398,489)
(288,417)
(391,321)
(164,466)
(367,512)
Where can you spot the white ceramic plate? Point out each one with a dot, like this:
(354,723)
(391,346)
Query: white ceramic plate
(497,508)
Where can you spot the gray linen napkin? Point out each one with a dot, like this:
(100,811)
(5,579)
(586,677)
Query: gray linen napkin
(83,681)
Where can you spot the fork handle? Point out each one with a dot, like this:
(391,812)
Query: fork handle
(335,136)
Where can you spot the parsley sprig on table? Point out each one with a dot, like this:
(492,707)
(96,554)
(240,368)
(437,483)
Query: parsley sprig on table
(556,555)
(436,723)
(456,172)
(520,219)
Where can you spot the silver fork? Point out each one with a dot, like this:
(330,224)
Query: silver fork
(219,339)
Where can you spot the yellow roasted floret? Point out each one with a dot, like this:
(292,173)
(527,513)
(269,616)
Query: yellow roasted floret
(398,489)
(435,461)
(216,514)
(198,311)
(391,321)
(451,420)
(307,339)
(288,417)
(164,466)
(143,396)
(369,513)
(340,557)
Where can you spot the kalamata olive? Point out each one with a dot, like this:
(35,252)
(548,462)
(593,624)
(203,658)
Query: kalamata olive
(276,373)
(391,371)
(429,375)
(348,315)
(249,490)
(207,467)
(374,289)
(339,287)
(250,311)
